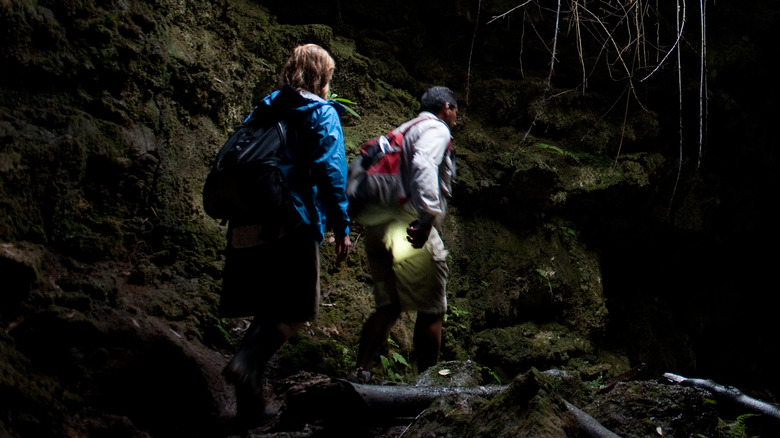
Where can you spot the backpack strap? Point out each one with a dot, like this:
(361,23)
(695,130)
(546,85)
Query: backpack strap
(448,150)
(418,120)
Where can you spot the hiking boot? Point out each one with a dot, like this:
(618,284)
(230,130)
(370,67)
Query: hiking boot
(251,408)
(359,375)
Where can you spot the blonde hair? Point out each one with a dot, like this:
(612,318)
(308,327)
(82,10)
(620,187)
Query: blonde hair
(310,68)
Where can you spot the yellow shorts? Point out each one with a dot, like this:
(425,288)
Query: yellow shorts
(415,279)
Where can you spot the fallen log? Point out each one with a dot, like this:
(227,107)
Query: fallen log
(326,397)
(413,399)
(728,393)
(335,401)
(410,400)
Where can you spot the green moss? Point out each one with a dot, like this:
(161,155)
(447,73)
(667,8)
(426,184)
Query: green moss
(326,356)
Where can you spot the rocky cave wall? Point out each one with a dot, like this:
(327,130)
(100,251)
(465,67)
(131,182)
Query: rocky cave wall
(561,256)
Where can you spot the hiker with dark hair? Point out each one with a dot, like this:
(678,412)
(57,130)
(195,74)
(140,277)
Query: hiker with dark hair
(277,280)
(406,255)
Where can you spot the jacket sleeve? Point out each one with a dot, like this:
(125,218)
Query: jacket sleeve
(427,154)
(329,169)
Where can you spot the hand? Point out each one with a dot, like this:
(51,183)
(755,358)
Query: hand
(417,233)
(342,248)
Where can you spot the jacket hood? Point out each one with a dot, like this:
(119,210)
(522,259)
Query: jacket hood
(288,99)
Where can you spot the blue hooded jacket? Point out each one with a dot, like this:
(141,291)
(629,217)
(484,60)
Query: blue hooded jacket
(316,165)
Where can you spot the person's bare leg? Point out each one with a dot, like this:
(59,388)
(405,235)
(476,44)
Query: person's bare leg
(375,333)
(427,339)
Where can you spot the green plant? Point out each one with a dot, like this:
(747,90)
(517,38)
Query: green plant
(392,366)
(568,231)
(334,96)
(454,317)
(226,333)
(544,276)
(597,383)
(739,428)
(558,150)
(492,373)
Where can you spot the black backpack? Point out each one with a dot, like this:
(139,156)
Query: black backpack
(245,181)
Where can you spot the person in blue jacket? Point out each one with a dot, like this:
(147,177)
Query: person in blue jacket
(274,274)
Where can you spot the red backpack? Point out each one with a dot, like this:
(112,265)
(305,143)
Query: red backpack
(374,180)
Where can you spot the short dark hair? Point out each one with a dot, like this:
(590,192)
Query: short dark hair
(435,98)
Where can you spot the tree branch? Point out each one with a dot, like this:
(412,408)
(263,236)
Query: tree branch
(728,393)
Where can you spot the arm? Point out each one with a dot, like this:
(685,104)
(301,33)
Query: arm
(329,174)
(427,154)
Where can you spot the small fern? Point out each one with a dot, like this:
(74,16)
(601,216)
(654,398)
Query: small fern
(739,429)
(558,150)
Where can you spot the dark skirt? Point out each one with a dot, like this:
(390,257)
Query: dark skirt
(277,281)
